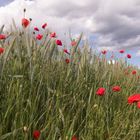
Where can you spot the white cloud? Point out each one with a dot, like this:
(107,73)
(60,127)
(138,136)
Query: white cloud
(116,22)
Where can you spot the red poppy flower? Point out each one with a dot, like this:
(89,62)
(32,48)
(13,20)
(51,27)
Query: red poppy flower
(25,22)
(134,72)
(2,37)
(53,35)
(133,98)
(74,138)
(104,52)
(36,29)
(58,42)
(36,134)
(73,43)
(121,51)
(66,51)
(67,61)
(44,25)
(100,91)
(128,56)
(39,37)
(138,104)
(116,88)
(1,50)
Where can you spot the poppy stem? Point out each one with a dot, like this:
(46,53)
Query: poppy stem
(24,12)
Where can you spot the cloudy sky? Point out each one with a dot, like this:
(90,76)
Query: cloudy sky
(111,24)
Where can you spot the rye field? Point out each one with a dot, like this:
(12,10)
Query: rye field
(53,91)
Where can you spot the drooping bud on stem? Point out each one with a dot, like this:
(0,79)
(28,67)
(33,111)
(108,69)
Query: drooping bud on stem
(24,10)
(30,19)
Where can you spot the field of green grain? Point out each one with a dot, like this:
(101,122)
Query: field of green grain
(40,90)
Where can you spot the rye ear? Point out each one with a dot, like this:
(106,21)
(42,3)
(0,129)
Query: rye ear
(1,29)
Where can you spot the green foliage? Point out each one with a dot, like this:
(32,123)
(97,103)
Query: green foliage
(39,90)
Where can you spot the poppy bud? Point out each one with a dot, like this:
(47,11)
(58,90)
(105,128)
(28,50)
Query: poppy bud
(24,10)
(30,19)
